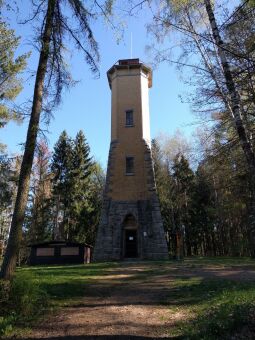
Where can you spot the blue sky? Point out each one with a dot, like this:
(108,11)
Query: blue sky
(87,105)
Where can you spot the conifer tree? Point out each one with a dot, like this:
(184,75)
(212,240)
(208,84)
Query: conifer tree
(96,187)
(81,158)
(6,197)
(80,205)
(72,167)
(10,68)
(184,183)
(165,186)
(61,167)
(203,215)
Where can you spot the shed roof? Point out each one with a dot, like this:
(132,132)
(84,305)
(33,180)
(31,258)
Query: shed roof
(59,243)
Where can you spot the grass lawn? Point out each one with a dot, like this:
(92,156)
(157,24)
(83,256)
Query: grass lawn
(214,308)
(65,284)
(211,307)
(40,290)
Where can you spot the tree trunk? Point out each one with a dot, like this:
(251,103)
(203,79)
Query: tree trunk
(236,111)
(10,259)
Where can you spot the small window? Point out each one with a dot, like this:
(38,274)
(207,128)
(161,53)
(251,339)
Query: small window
(129,118)
(129,165)
(45,252)
(68,251)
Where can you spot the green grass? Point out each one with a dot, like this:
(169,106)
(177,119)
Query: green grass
(212,308)
(66,284)
(37,291)
(215,308)
(219,261)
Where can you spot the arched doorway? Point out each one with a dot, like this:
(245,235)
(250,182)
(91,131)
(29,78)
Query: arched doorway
(130,237)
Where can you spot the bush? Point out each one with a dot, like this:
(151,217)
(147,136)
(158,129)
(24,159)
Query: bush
(21,301)
(5,287)
(222,321)
(225,320)
(26,297)
(6,324)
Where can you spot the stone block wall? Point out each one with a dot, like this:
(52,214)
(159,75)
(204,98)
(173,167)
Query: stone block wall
(150,232)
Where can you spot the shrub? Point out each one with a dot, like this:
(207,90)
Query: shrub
(21,300)
(6,324)
(222,321)
(26,297)
(5,287)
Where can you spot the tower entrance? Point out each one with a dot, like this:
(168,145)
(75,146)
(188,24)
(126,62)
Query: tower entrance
(130,237)
(130,243)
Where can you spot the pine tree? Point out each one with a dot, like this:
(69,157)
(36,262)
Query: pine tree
(184,182)
(10,68)
(72,167)
(6,197)
(80,205)
(96,187)
(81,158)
(165,186)
(203,215)
(61,167)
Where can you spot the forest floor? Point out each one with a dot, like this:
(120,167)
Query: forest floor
(194,299)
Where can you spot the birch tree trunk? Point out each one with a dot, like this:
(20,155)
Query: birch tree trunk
(10,258)
(236,111)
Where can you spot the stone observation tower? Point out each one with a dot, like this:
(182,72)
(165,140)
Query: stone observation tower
(131,224)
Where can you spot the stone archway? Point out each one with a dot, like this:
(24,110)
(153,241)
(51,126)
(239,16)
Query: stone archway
(130,237)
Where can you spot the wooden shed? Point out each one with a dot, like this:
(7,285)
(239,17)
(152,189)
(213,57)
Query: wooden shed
(59,252)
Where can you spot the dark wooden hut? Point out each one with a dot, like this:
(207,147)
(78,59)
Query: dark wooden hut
(59,252)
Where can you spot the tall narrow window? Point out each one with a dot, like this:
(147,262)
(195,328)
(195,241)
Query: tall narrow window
(129,165)
(129,118)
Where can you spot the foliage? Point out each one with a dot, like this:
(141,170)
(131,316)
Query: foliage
(38,220)
(80,207)
(225,308)
(165,185)
(22,302)
(77,188)
(5,187)
(8,179)
(217,62)
(65,193)
(211,202)
(10,68)
(175,186)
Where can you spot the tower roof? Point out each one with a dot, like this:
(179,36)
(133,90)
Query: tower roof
(129,64)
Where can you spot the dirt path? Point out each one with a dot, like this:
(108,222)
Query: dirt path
(129,303)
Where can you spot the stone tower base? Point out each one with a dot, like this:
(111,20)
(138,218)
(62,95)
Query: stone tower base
(151,242)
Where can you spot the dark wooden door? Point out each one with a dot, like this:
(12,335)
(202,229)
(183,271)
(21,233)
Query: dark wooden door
(130,243)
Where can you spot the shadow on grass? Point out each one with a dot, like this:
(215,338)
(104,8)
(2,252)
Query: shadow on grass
(65,290)
(189,290)
(185,292)
(87,269)
(106,337)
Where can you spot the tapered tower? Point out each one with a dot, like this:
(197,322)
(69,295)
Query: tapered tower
(131,224)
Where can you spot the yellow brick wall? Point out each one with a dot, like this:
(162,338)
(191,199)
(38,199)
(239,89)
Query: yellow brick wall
(129,91)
